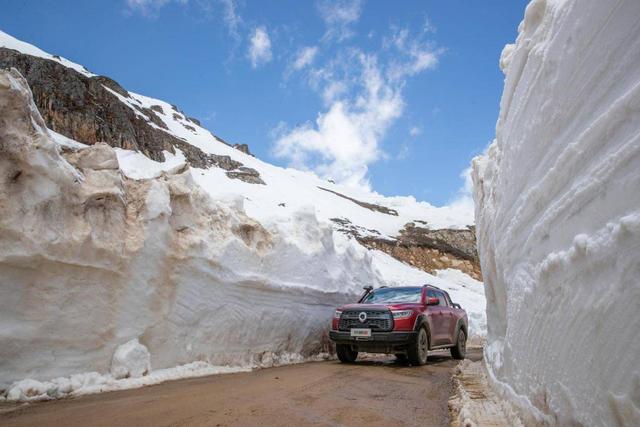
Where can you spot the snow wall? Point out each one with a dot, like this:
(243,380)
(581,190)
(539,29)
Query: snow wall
(90,260)
(558,216)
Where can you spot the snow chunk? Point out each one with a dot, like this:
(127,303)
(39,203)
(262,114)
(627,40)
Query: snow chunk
(131,360)
(136,165)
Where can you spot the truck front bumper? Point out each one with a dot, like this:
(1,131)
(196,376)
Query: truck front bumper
(379,342)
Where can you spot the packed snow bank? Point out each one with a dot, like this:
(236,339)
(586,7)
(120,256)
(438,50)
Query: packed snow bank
(29,390)
(475,404)
(91,260)
(558,216)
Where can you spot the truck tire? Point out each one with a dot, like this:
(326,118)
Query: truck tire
(459,350)
(346,354)
(417,352)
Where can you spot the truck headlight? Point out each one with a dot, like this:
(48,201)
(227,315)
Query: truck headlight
(337,314)
(401,314)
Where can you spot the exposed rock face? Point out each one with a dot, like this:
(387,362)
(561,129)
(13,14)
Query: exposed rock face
(82,108)
(423,248)
(461,243)
(425,258)
(243,147)
(246,174)
(370,206)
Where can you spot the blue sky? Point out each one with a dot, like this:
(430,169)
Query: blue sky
(397,95)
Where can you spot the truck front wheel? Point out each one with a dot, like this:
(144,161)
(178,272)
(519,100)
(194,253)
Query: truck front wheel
(346,354)
(417,352)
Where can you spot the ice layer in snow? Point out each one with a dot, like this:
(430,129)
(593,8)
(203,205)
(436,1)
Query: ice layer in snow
(558,216)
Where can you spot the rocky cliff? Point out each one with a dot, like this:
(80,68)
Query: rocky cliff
(89,109)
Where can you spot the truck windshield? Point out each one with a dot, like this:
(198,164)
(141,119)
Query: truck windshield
(386,295)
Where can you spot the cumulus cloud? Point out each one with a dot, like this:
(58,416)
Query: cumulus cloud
(305,57)
(345,139)
(259,47)
(363,97)
(339,16)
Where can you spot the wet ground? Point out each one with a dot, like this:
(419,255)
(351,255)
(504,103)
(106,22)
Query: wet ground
(377,391)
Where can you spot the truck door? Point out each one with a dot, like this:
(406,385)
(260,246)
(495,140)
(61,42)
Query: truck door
(452,318)
(438,323)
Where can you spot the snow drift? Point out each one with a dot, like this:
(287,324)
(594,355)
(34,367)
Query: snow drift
(104,273)
(558,216)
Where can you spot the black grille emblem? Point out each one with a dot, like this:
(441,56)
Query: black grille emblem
(362,317)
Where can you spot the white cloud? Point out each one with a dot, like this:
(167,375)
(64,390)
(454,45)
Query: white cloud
(333,91)
(427,26)
(149,7)
(231,18)
(464,199)
(345,139)
(416,54)
(415,131)
(403,153)
(305,57)
(339,16)
(260,47)
(363,97)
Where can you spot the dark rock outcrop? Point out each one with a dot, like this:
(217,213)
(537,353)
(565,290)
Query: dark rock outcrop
(242,147)
(422,247)
(246,174)
(370,206)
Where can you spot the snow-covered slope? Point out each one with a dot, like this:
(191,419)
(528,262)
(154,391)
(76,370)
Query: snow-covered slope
(10,42)
(558,216)
(286,191)
(101,246)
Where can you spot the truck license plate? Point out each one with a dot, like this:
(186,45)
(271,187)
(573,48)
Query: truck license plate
(362,333)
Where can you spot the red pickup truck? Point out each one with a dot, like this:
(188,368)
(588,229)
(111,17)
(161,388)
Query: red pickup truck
(406,321)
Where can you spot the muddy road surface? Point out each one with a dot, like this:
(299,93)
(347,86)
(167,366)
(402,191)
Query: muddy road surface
(377,391)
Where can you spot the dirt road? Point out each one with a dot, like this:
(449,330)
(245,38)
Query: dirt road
(374,392)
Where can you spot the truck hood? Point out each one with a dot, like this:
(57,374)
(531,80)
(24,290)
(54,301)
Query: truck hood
(395,306)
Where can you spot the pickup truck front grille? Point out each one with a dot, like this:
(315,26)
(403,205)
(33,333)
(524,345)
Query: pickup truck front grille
(376,320)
